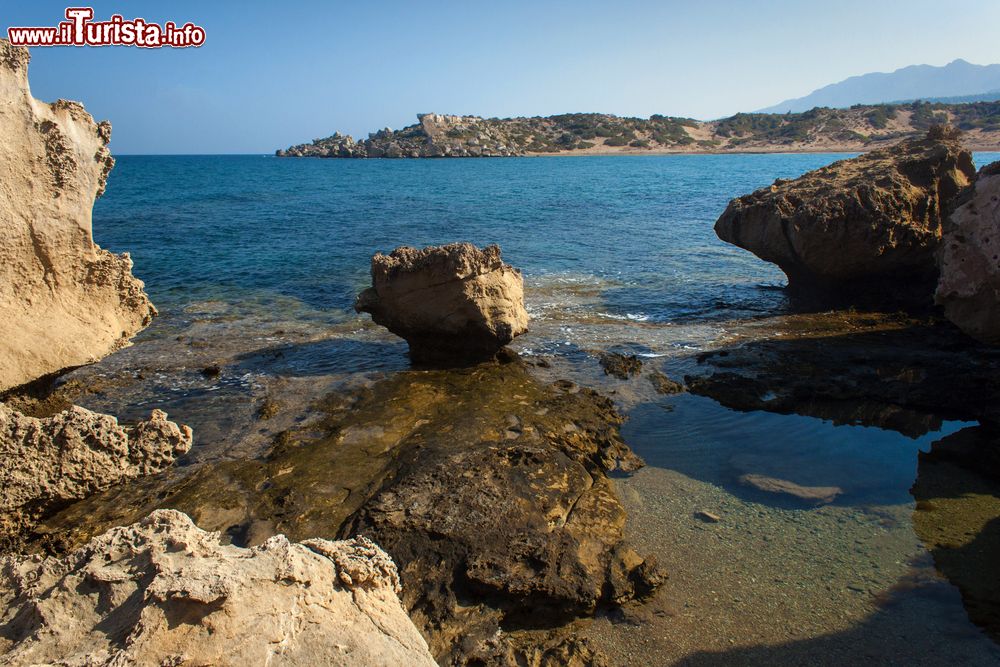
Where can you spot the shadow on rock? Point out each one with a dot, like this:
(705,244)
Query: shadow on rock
(907,379)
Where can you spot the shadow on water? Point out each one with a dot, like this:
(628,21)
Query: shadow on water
(705,440)
(325,357)
(958,518)
(857,646)
(907,379)
(868,412)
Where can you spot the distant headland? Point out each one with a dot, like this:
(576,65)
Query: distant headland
(857,129)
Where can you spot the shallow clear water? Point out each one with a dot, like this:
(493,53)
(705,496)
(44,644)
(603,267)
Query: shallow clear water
(254,261)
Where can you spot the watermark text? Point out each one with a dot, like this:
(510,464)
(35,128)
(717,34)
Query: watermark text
(79,29)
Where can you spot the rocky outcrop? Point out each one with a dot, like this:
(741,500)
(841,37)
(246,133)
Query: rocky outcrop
(451,303)
(889,372)
(163,592)
(46,463)
(860,128)
(859,230)
(489,489)
(969,285)
(64,301)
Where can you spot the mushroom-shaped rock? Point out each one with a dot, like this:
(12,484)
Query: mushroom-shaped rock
(969,286)
(64,301)
(164,592)
(859,230)
(453,304)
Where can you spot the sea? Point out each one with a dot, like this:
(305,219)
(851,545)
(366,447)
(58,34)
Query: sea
(257,260)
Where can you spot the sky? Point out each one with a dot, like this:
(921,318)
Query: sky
(279,72)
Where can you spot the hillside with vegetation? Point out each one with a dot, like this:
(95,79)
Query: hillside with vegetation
(859,128)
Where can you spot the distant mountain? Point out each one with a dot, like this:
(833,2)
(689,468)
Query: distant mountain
(924,82)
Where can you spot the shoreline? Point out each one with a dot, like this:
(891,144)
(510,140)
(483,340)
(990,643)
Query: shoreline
(831,150)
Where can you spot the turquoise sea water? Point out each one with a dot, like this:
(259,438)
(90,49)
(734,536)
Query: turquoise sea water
(211,226)
(206,226)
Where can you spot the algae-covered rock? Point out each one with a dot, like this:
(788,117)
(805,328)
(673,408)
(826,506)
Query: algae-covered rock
(488,488)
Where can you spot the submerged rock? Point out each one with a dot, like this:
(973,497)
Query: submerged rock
(489,489)
(164,592)
(820,495)
(64,301)
(969,286)
(621,366)
(664,385)
(46,463)
(452,303)
(859,230)
(893,373)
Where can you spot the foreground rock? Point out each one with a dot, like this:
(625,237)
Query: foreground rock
(163,592)
(969,286)
(859,230)
(64,301)
(489,489)
(451,303)
(47,463)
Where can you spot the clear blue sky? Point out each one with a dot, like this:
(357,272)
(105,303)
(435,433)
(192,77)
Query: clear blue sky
(280,72)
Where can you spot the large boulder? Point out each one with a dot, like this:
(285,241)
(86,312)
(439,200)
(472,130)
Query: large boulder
(489,488)
(64,301)
(859,230)
(47,463)
(969,285)
(164,592)
(451,303)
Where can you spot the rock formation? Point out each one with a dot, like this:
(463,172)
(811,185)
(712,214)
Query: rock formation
(451,303)
(489,489)
(900,374)
(860,230)
(46,463)
(163,592)
(969,285)
(64,301)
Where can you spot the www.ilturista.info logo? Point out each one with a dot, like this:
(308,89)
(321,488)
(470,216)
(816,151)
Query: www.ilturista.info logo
(80,30)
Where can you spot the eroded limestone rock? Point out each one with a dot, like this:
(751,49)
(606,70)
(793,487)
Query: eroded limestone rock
(969,286)
(164,592)
(64,301)
(46,463)
(860,230)
(452,303)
